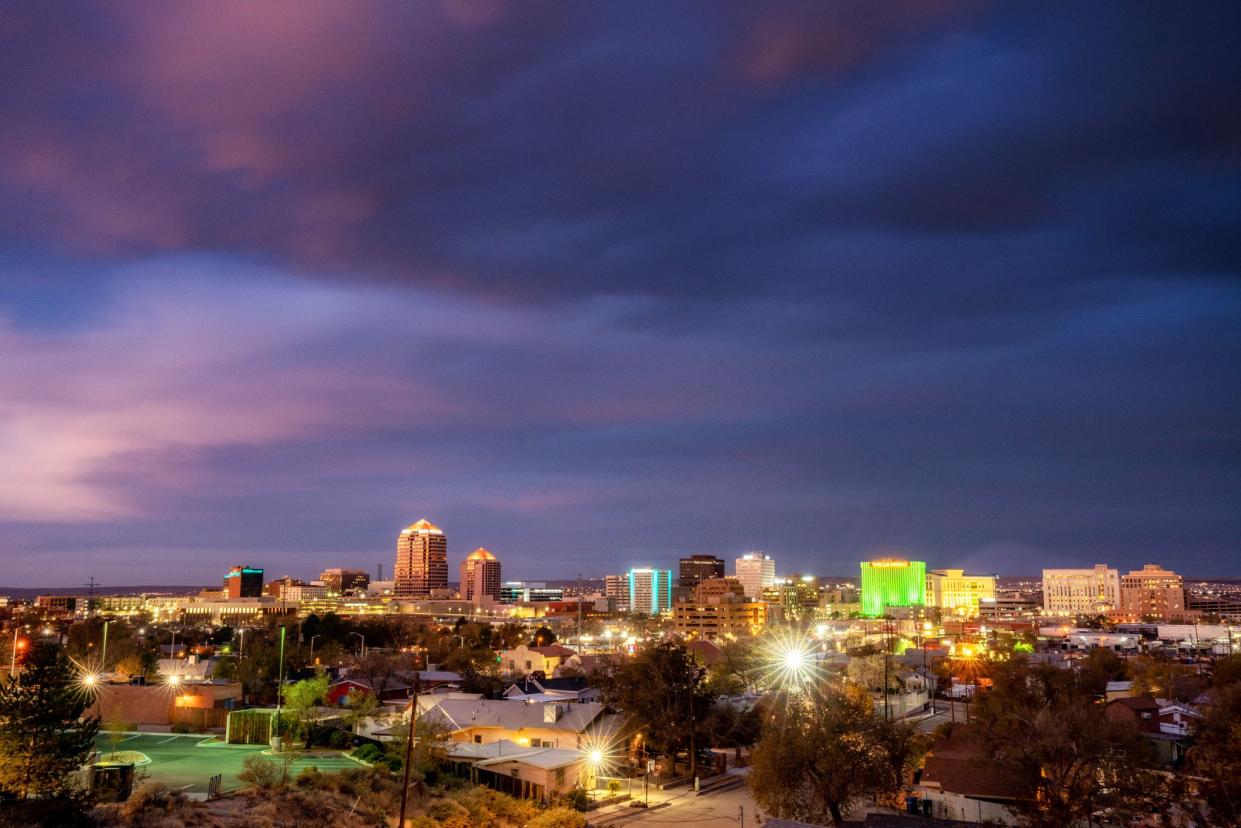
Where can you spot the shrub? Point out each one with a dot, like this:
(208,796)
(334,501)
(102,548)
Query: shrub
(338,739)
(558,818)
(260,772)
(181,727)
(369,753)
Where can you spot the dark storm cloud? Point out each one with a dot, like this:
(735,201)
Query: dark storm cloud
(815,277)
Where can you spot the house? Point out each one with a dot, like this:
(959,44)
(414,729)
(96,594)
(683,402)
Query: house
(960,783)
(1141,711)
(520,770)
(555,725)
(1118,690)
(1169,740)
(1177,719)
(398,686)
(583,664)
(567,689)
(523,660)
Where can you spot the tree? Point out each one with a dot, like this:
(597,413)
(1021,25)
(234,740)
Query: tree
(1216,754)
(1044,726)
(300,700)
(663,688)
(42,736)
(820,755)
(542,637)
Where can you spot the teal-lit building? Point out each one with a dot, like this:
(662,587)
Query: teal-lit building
(892,583)
(650,590)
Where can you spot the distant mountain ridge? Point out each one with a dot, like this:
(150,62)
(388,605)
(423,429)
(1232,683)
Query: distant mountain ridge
(30,592)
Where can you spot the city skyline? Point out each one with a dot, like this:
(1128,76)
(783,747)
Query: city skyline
(598,290)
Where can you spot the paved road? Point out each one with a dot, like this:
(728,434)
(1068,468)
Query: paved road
(685,808)
(189,761)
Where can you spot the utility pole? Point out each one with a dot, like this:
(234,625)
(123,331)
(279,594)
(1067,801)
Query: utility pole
(579,611)
(409,745)
(90,599)
(103,653)
(280,683)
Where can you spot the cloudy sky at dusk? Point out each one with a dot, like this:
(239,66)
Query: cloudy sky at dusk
(602,284)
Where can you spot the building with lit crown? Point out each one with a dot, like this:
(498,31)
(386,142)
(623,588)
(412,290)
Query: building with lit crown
(243,582)
(650,590)
(756,572)
(1094,591)
(697,568)
(480,577)
(1152,592)
(421,560)
(956,593)
(889,582)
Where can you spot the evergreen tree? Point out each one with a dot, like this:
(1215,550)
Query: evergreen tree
(42,735)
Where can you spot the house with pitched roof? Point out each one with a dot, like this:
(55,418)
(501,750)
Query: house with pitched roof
(549,725)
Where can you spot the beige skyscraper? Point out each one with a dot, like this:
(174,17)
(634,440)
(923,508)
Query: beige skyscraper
(1152,592)
(421,560)
(480,577)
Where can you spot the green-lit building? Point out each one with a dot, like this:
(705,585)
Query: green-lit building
(892,583)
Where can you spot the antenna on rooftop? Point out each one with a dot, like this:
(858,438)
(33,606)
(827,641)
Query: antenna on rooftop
(90,600)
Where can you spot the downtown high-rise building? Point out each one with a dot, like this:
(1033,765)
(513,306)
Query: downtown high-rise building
(1094,591)
(695,569)
(1152,592)
(892,582)
(421,560)
(616,590)
(480,577)
(756,572)
(243,582)
(650,590)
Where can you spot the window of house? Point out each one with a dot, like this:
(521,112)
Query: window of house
(478,740)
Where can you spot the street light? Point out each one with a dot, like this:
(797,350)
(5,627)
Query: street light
(312,647)
(361,636)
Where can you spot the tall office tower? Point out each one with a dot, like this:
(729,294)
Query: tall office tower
(1152,592)
(1093,591)
(340,581)
(421,560)
(889,582)
(243,582)
(616,589)
(697,568)
(957,593)
(480,577)
(650,590)
(756,572)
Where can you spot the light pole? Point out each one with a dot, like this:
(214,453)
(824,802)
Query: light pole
(279,692)
(312,648)
(103,652)
(361,636)
(409,745)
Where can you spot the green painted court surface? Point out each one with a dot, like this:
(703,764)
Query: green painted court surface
(189,761)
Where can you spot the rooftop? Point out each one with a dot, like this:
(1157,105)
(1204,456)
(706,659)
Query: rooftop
(422,527)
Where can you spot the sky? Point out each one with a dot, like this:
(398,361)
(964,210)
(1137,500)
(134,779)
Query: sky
(603,284)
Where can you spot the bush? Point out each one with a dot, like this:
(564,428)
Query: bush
(181,727)
(577,799)
(369,753)
(338,739)
(260,772)
(558,818)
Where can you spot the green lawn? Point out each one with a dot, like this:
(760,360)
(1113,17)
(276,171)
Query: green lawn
(188,761)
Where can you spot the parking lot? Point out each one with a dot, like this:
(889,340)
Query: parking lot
(189,761)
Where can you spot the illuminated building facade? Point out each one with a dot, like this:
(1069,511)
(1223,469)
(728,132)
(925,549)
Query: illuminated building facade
(892,583)
(1094,591)
(956,593)
(697,568)
(756,572)
(421,560)
(1152,592)
(345,581)
(243,582)
(719,616)
(480,577)
(650,590)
